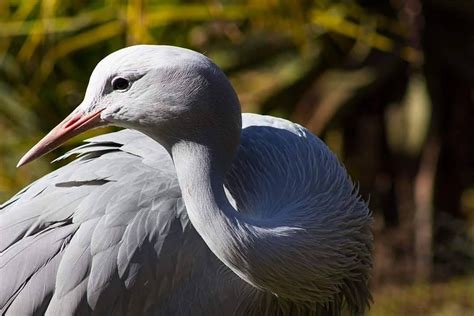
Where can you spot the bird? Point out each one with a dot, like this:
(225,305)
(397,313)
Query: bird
(193,208)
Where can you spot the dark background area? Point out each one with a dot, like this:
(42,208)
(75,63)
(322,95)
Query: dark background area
(389,85)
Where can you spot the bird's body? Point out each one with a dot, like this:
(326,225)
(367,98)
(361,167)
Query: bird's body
(134,227)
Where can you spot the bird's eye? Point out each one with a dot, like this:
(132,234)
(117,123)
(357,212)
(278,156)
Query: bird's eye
(120,84)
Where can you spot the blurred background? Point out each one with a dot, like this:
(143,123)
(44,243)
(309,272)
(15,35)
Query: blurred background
(388,84)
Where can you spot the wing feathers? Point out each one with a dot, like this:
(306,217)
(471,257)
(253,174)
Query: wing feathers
(33,297)
(104,234)
(76,261)
(25,258)
(103,278)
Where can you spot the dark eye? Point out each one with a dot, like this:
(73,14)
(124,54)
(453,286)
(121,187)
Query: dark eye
(120,84)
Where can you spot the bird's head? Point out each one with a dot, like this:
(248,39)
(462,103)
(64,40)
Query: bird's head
(169,93)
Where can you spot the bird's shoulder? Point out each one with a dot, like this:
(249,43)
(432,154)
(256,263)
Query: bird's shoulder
(251,119)
(265,131)
(281,167)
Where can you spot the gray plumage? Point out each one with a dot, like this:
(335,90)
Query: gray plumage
(201,211)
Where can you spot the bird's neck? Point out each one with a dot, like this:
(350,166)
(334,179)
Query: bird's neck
(200,174)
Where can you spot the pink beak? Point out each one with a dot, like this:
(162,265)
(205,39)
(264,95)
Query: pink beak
(71,126)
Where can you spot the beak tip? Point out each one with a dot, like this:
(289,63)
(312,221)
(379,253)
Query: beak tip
(27,158)
(22,162)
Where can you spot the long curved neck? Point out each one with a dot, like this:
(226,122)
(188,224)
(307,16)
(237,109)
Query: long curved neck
(201,174)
